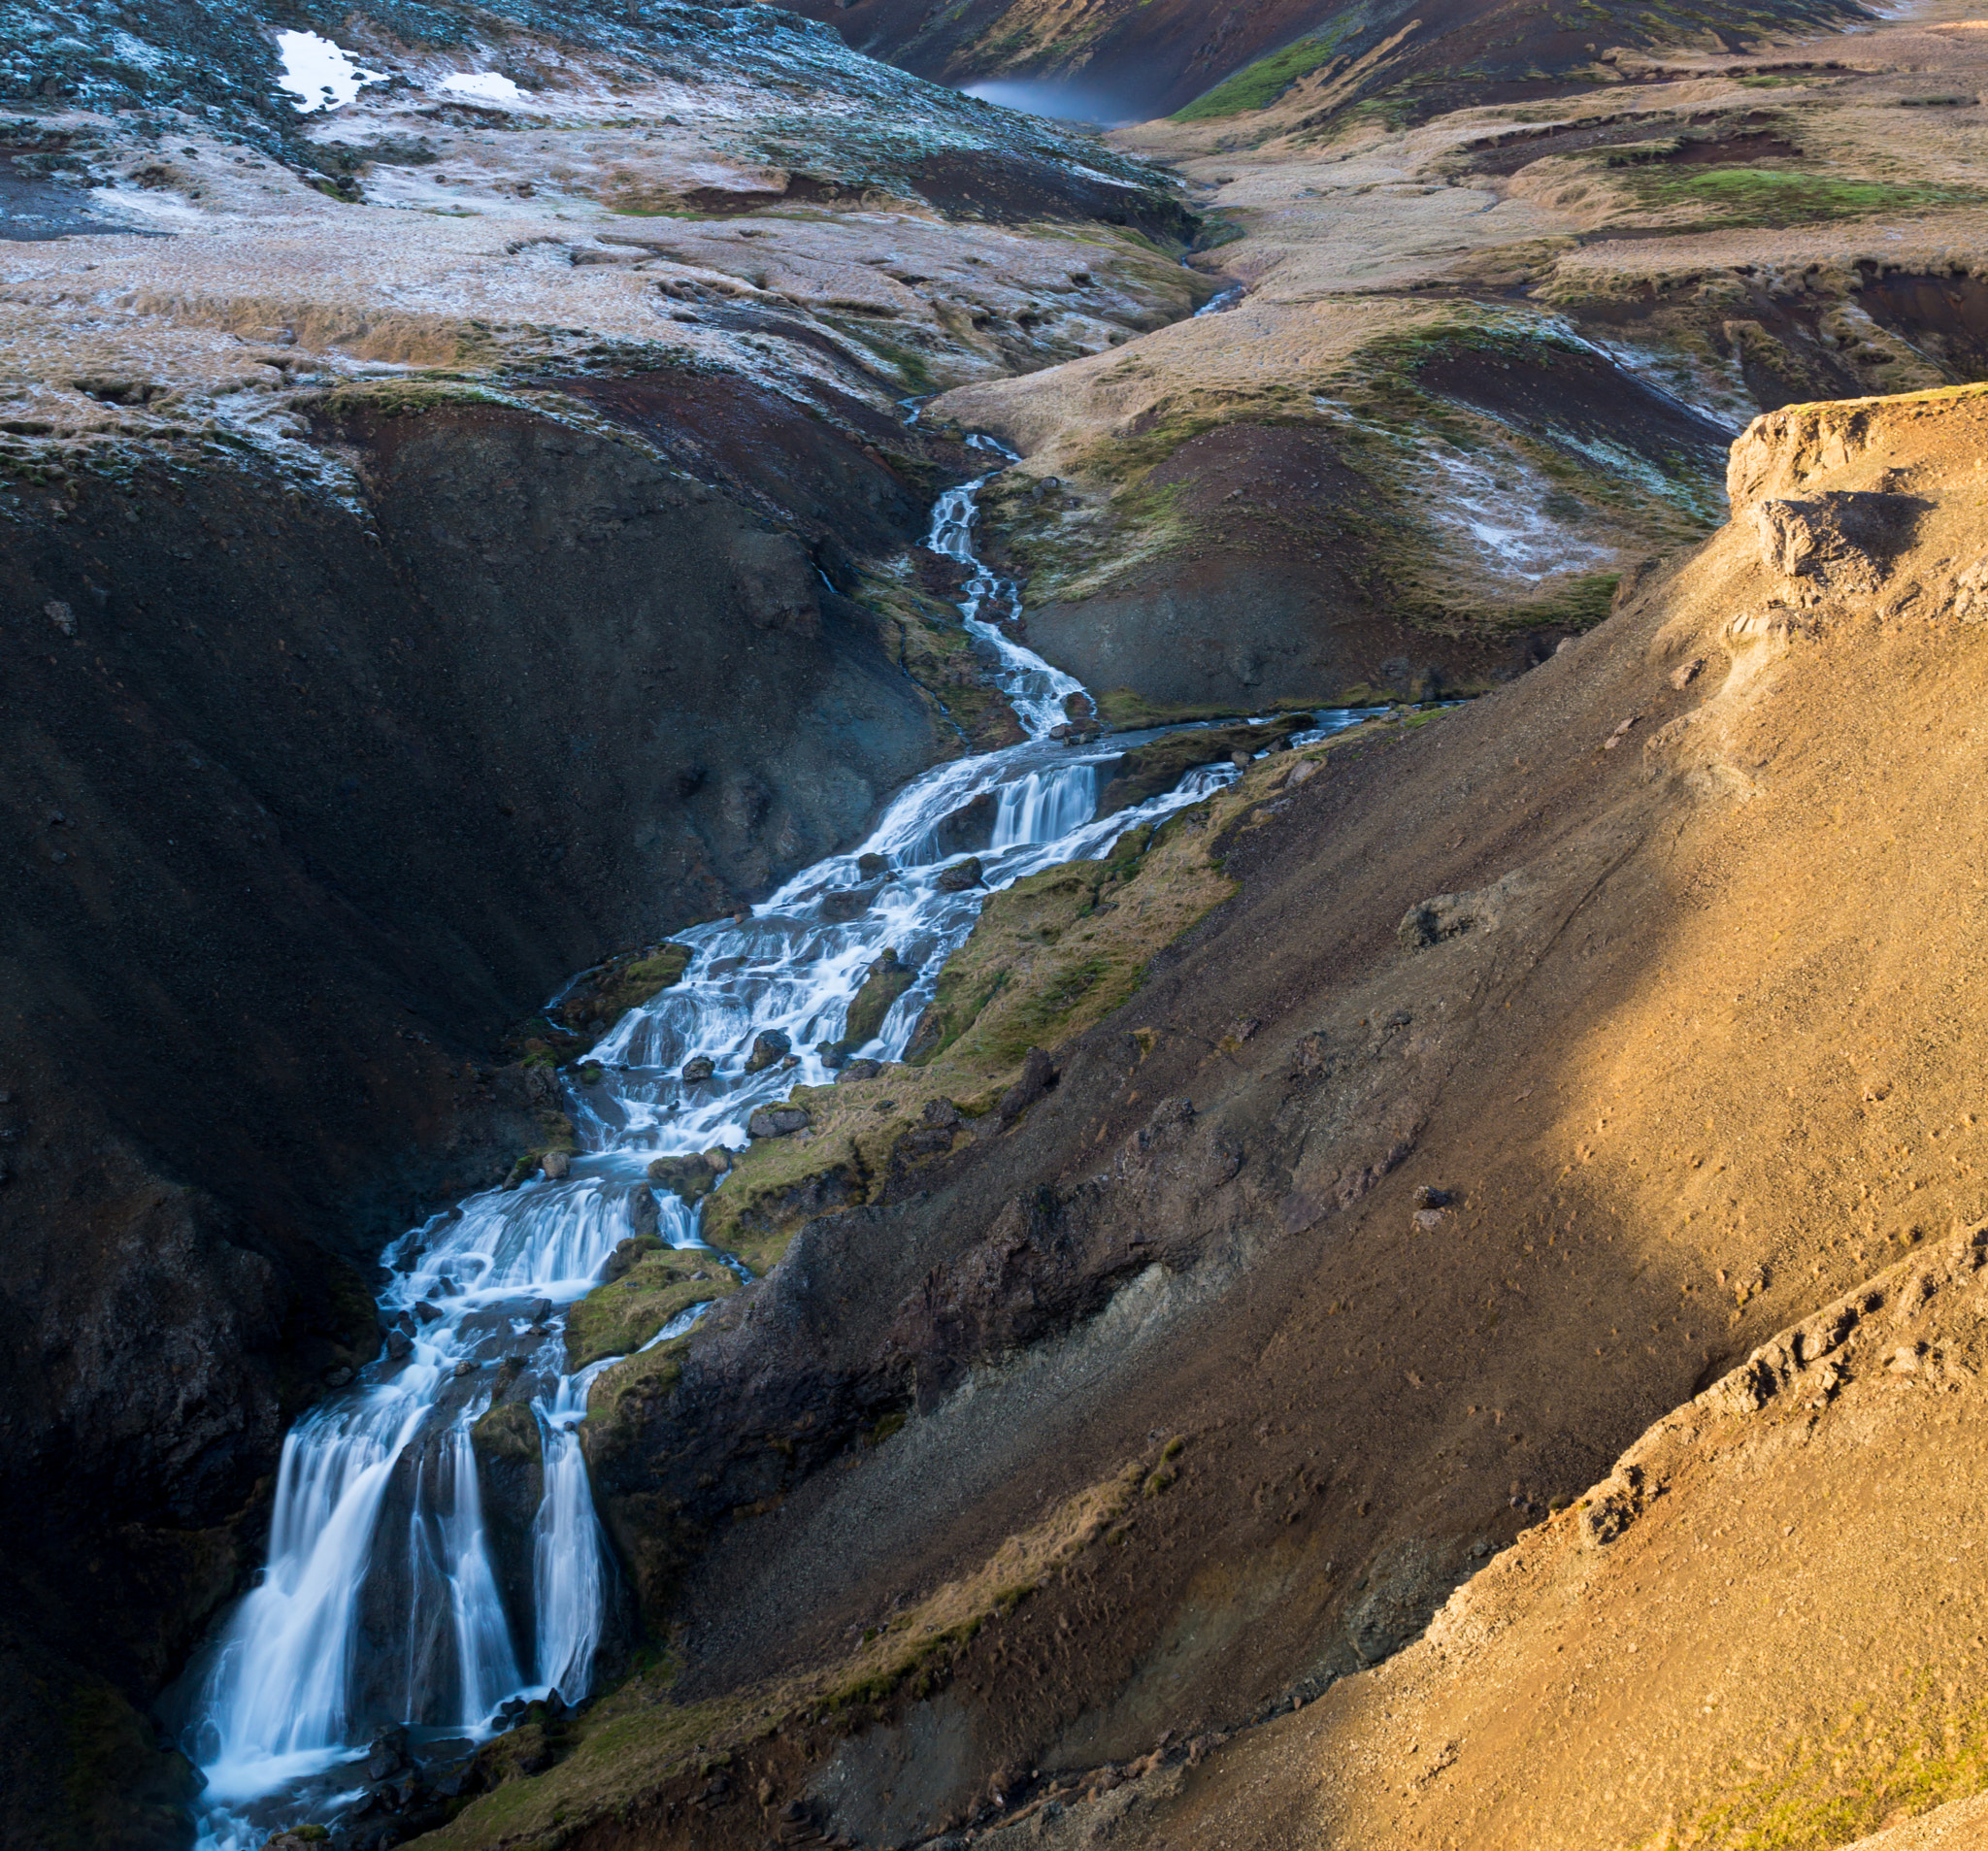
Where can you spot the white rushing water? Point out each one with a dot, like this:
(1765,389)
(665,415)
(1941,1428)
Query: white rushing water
(381,1600)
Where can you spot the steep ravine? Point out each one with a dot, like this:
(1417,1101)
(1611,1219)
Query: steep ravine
(1492,1118)
(313,799)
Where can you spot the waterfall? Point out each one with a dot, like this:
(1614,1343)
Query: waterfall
(380,1603)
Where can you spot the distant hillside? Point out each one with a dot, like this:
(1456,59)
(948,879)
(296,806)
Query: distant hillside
(1130,59)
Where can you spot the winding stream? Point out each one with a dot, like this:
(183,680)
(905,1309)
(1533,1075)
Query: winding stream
(381,1603)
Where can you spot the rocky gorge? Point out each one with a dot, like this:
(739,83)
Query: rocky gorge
(1227,1338)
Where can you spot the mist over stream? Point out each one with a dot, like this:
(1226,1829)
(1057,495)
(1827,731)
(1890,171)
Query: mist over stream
(382,1605)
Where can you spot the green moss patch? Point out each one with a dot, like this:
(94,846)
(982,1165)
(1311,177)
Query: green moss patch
(1258,85)
(508,1431)
(605,994)
(621,1316)
(1785,196)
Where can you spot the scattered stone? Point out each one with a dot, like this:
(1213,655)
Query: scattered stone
(960,878)
(1564,645)
(942,1112)
(870,867)
(839,905)
(428,1313)
(1431,922)
(860,1070)
(771,1045)
(399,1346)
(1427,1197)
(1971,593)
(698,1069)
(776,1121)
(1621,732)
(556,1164)
(466,1368)
(387,1755)
(1428,1220)
(718,1158)
(1307,768)
(1241,760)
(1684,674)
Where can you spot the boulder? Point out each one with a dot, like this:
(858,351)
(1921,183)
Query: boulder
(968,828)
(642,1215)
(886,981)
(556,1164)
(860,1070)
(718,1158)
(698,1069)
(1038,1075)
(1840,539)
(399,1346)
(773,1044)
(959,878)
(627,1252)
(872,867)
(689,1178)
(776,1121)
(839,905)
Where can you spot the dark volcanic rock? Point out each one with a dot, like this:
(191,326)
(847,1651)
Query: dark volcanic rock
(298,830)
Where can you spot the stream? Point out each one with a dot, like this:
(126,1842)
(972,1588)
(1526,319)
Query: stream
(381,1605)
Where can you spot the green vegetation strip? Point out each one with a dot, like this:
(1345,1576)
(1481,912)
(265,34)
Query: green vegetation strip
(1784,196)
(1258,85)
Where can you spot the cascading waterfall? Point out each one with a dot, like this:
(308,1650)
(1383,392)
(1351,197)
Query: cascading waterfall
(380,1602)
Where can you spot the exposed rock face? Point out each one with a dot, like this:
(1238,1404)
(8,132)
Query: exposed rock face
(1843,542)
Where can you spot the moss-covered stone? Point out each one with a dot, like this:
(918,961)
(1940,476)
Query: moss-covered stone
(603,996)
(509,1431)
(889,979)
(781,1184)
(1159,764)
(689,1178)
(621,1316)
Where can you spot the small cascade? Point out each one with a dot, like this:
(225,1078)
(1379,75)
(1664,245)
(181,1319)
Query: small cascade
(381,1603)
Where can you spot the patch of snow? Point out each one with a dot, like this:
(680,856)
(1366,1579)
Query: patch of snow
(317,74)
(1490,505)
(486,86)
